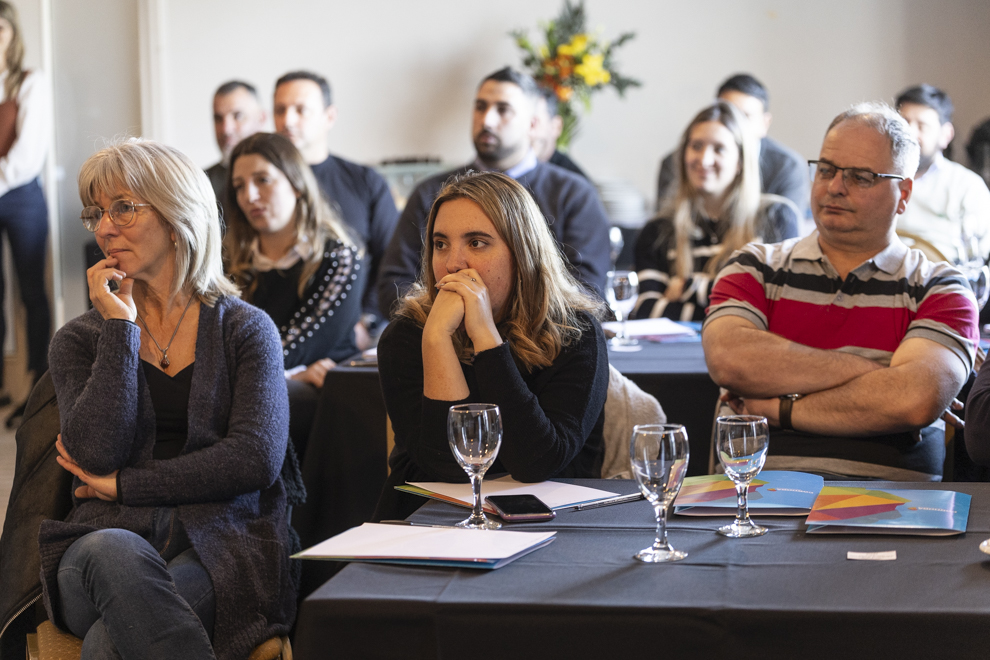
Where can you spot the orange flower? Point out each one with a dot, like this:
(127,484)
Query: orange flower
(563,92)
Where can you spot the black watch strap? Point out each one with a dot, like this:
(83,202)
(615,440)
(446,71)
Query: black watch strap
(784,415)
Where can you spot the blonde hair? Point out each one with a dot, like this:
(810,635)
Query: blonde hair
(541,315)
(180,193)
(741,204)
(14,57)
(314,220)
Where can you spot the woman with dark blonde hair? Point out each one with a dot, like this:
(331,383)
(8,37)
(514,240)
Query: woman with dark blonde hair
(174,423)
(718,208)
(25,128)
(292,257)
(495,318)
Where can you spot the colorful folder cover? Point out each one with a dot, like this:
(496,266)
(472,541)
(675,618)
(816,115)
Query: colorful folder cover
(772,493)
(863,511)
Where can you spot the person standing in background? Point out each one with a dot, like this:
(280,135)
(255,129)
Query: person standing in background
(237,114)
(25,127)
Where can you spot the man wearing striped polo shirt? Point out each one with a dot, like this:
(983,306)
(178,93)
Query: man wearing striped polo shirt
(849,343)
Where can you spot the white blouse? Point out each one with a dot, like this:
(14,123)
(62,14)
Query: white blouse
(26,158)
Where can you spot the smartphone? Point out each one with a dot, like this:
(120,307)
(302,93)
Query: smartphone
(520,508)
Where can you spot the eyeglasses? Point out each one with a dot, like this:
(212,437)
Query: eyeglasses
(851,176)
(121,214)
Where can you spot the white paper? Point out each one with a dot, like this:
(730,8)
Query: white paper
(661,327)
(374,541)
(555,495)
(889,555)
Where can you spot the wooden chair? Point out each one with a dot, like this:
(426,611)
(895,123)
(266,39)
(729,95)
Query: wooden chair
(50,643)
(918,243)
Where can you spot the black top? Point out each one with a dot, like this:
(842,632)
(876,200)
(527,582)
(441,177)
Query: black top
(320,324)
(362,198)
(561,159)
(170,398)
(655,253)
(782,172)
(570,204)
(552,418)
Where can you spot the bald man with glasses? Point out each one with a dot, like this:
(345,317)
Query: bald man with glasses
(869,341)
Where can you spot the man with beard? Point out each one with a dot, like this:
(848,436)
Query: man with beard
(503,122)
(950,205)
(237,114)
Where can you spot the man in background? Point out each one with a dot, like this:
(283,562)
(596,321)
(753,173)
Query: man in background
(502,127)
(782,170)
(237,114)
(548,127)
(305,113)
(950,205)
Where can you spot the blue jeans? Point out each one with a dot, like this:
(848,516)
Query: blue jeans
(127,599)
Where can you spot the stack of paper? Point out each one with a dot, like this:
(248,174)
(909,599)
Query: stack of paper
(653,329)
(862,511)
(555,495)
(772,493)
(428,546)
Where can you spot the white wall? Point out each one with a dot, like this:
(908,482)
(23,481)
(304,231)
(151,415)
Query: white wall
(404,73)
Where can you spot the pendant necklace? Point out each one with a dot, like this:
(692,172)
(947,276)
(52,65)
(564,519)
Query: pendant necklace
(164,351)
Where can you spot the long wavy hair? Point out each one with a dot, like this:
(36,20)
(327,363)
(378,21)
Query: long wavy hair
(14,56)
(541,315)
(314,220)
(180,193)
(740,207)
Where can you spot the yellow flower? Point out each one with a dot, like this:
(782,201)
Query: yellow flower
(592,71)
(579,44)
(544,52)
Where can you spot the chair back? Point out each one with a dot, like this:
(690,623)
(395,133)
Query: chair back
(918,243)
(625,406)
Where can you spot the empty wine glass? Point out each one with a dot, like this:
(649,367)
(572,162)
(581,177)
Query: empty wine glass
(621,292)
(659,454)
(741,442)
(474,431)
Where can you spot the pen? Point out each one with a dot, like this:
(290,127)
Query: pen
(622,499)
(414,524)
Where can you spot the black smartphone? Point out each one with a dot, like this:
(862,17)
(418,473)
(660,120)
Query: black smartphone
(520,508)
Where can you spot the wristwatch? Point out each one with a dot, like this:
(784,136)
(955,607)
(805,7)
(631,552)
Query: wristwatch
(784,415)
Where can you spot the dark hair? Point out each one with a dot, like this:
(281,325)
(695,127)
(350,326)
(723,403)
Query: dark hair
(746,84)
(930,96)
(521,80)
(551,98)
(232,86)
(312,77)
(315,220)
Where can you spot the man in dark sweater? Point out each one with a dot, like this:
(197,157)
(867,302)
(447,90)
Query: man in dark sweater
(304,113)
(504,110)
(782,170)
(237,114)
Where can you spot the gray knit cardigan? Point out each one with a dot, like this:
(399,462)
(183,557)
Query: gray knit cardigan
(225,484)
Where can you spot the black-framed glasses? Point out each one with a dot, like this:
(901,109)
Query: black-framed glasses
(851,176)
(121,214)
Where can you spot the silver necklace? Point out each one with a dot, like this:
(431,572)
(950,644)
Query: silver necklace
(164,351)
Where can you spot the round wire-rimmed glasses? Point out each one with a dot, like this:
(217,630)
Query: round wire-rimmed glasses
(121,211)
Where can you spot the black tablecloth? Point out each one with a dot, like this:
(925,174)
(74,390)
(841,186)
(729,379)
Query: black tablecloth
(345,464)
(783,595)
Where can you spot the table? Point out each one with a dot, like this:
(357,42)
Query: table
(345,464)
(783,595)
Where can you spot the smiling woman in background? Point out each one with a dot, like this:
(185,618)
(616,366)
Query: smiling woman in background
(292,257)
(496,318)
(25,126)
(718,208)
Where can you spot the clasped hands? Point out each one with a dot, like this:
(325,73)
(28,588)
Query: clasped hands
(102,487)
(462,297)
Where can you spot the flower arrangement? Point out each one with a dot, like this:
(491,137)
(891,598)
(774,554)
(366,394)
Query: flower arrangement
(572,63)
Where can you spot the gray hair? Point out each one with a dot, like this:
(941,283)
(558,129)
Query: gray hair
(886,121)
(181,194)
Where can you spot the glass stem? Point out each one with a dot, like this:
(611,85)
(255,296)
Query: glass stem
(742,503)
(625,333)
(476,487)
(661,541)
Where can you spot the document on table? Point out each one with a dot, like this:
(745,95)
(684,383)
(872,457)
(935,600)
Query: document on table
(428,546)
(660,327)
(554,494)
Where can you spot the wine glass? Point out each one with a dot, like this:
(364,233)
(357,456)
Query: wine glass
(621,292)
(741,442)
(659,454)
(474,431)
